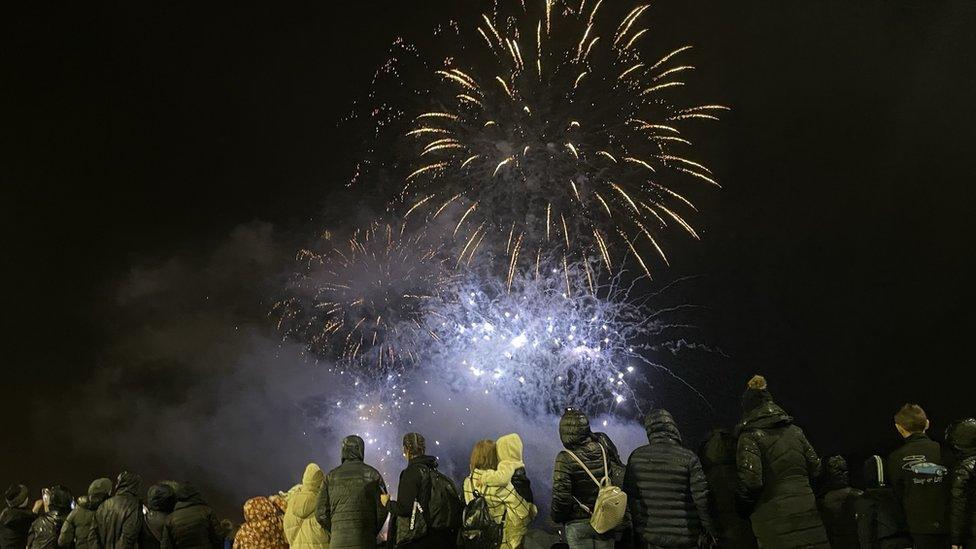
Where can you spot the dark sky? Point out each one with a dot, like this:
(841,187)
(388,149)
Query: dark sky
(835,260)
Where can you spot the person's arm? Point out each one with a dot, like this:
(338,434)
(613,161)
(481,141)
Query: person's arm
(323,510)
(896,476)
(814,465)
(216,539)
(67,537)
(960,486)
(749,474)
(381,511)
(94,540)
(167,541)
(867,523)
(32,533)
(634,501)
(131,526)
(699,494)
(407,492)
(562,489)
(500,476)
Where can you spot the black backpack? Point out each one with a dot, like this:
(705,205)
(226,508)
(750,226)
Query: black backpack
(445,505)
(478,529)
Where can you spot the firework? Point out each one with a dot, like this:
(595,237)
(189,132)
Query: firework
(555,136)
(355,302)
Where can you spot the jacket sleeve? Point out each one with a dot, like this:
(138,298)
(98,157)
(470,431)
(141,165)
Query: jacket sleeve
(749,473)
(814,465)
(407,492)
(323,510)
(67,537)
(867,525)
(131,528)
(500,476)
(381,511)
(167,536)
(699,493)
(961,485)
(94,539)
(562,490)
(32,533)
(634,500)
(216,539)
(896,475)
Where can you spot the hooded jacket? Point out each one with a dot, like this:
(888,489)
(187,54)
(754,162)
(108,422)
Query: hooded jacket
(262,528)
(918,477)
(118,520)
(775,467)
(666,488)
(962,484)
(76,530)
(880,519)
(349,506)
(837,505)
(46,528)
(511,467)
(718,461)
(504,502)
(572,487)
(192,524)
(161,498)
(301,528)
(15,523)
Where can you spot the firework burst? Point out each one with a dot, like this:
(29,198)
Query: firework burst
(553,135)
(357,301)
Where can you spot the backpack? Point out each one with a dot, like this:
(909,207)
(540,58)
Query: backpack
(611,502)
(445,506)
(478,529)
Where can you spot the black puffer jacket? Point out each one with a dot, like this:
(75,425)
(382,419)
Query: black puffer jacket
(718,462)
(46,528)
(919,480)
(880,519)
(666,488)
(962,487)
(349,505)
(15,523)
(837,505)
(192,524)
(570,483)
(76,530)
(775,467)
(119,519)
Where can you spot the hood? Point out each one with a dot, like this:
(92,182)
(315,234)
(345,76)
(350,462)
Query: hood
(874,472)
(187,494)
(753,398)
(128,483)
(429,461)
(161,497)
(836,473)
(353,449)
(313,478)
(961,437)
(259,509)
(98,491)
(660,427)
(718,449)
(60,499)
(509,448)
(766,415)
(574,429)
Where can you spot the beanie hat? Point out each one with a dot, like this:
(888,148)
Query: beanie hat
(16,495)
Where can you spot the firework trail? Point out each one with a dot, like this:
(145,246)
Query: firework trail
(554,136)
(358,300)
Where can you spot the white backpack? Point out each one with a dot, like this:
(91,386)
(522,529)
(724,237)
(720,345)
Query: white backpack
(611,502)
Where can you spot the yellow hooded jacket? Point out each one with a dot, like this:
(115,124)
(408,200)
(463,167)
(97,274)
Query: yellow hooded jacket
(301,529)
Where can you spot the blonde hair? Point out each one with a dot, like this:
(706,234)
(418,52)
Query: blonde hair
(757,382)
(484,455)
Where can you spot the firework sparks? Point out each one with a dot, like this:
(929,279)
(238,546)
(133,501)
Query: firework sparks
(586,133)
(355,302)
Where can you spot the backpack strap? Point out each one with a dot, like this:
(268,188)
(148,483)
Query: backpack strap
(606,469)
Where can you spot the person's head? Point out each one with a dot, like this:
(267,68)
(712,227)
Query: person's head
(128,483)
(757,392)
(574,428)
(57,498)
(911,420)
(874,472)
(161,498)
(98,491)
(484,456)
(353,448)
(16,496)
(414,445)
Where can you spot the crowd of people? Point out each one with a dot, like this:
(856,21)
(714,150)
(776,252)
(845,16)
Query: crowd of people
(761,484)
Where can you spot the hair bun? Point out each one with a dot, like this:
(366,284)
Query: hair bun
(757,382)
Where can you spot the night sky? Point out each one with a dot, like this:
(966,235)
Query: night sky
(835,260)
